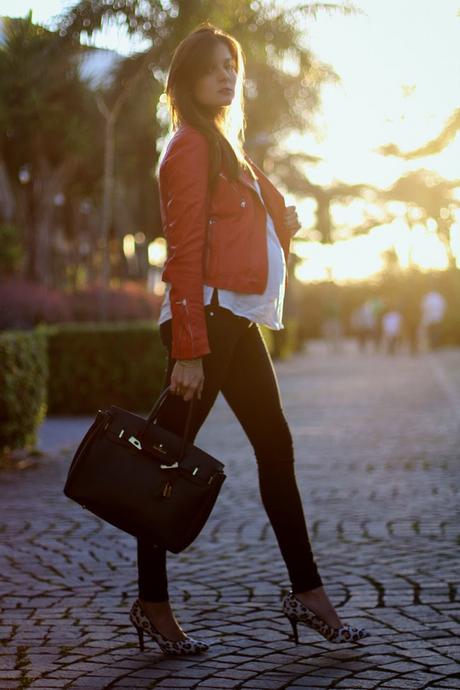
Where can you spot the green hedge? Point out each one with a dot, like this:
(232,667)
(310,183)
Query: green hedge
(77,368)
(23,388)
(94,365)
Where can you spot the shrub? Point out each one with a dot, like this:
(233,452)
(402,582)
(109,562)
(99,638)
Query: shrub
(94,365)
(23,385)
(131,301)
(10,249)
(25,304)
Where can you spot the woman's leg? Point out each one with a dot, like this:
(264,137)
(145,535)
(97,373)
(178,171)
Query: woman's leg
(224,331)
(151,559)
(251,389)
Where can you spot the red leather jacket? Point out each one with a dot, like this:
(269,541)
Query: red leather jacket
(216,239)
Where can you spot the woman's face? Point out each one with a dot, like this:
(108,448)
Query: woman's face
(210,88)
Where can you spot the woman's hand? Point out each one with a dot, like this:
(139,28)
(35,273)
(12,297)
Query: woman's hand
(187,378)
(291,221)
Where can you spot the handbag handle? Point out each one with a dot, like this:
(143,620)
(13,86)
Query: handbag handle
(154,413)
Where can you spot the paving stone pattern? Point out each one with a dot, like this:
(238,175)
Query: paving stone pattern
(377,462)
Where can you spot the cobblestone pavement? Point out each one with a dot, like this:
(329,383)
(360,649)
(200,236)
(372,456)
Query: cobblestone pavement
(377,458)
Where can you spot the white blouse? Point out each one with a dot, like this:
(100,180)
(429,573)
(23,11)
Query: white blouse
(267,308)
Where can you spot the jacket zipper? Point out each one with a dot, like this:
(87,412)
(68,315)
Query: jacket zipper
(208,243)
(232,184)
(184,303)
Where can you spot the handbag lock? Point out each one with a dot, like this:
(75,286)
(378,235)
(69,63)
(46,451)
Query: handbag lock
(137,444)
(132,439)
(135,441)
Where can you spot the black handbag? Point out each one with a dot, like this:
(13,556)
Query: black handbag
(143,479)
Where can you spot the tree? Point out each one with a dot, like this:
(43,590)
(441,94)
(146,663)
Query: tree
(433,195)
(292,174)
(44,133)
(131,71)
(280,97)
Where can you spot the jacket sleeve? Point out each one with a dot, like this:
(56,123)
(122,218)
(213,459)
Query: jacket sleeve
(183,180)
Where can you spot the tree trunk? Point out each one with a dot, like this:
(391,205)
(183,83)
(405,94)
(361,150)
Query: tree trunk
(46,183)
(7,200)
(107,203)
(444,227)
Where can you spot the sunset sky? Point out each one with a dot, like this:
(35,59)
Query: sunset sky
(399,65)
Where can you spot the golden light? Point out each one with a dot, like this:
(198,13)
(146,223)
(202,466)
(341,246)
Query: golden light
(363,257)
(343,261)
(314,266)
(427,249)
(397,208)
(356,259)
(455,241)
(396,93)
(157,252)
(129,246)
(400,233)
(431,224)
(349,215)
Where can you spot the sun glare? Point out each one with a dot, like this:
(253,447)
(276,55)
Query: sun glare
(390,91)
(363,257)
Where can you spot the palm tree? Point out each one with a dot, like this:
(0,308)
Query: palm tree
(434,196)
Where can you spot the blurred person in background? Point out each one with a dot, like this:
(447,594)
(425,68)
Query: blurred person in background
(377,306)
(331,325)
(363,323)
(433,307)
(409,305)
(391,331)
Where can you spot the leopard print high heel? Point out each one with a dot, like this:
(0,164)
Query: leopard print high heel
(297,612)
(143,625)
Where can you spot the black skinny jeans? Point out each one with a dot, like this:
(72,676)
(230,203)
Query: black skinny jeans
(240,367)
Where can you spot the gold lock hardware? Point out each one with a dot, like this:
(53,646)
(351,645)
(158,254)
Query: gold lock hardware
(167,490)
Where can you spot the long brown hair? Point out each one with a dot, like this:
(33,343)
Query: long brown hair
(224,130)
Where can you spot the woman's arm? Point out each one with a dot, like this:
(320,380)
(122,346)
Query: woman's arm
(183,178)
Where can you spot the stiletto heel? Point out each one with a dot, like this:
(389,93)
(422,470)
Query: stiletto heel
(143,625)
(297,612)
(140,634)
(293,622)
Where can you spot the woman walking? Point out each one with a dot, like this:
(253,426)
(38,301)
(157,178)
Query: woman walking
(228,233)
